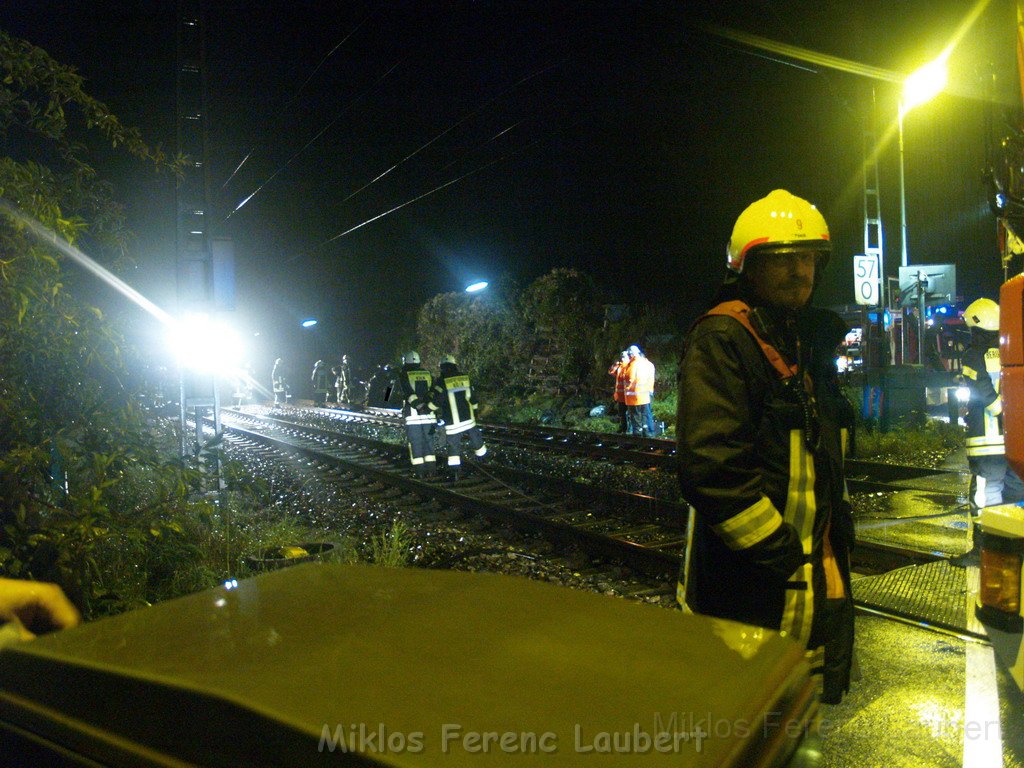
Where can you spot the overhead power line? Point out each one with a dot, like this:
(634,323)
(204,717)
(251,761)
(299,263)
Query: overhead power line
(455,125)
(298,90)
(438,188)
(320,133)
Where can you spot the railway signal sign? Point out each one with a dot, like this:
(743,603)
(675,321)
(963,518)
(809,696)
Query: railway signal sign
(866,283)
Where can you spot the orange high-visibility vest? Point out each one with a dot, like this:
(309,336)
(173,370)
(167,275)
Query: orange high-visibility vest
(641,381)
(620,371)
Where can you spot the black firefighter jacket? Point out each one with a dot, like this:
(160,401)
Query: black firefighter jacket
(981,372)
(762,464)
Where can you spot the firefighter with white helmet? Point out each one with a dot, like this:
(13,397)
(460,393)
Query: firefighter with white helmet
(279,383)
(639,391)
(453,392)
(321,383)
(419,413)
(761,441)
(992,480)
(341,379)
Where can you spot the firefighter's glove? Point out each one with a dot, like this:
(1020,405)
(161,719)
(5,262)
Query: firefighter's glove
(781,552)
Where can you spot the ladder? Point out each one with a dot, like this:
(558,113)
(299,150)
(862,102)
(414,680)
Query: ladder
(873,234)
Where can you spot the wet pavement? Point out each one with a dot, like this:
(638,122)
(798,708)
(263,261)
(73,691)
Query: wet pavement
(924,697)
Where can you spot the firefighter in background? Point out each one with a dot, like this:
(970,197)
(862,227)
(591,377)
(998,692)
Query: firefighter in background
(761,445)
(992,480)
(620,370)
(639,391)
(453,393)
(341,377)
(279,383)
(419,412)
(320,383)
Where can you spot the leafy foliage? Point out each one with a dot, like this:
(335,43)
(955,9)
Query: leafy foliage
(486,333)
(566,305)
(82,473)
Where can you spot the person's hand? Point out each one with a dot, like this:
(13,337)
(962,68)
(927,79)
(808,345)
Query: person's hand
(34,607)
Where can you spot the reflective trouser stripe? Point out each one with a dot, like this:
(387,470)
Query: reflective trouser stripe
(980,492)
(985,445)
(684,572)
(801,509)
(755,523)
(480,451)
(454,461)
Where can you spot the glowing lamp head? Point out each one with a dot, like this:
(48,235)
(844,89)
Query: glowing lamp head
(309,322)
(476,287)
(206,345)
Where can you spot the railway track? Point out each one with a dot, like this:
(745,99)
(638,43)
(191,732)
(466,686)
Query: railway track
(642,533)
(569,512)
(644,452)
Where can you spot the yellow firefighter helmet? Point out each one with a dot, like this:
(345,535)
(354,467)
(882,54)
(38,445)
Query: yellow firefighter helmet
(779,221)
(982,313)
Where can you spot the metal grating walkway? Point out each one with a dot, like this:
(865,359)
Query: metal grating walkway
(933,593)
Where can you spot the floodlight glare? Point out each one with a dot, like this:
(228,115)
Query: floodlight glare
(476,287)
(309,323)
(206,345)
(924,83)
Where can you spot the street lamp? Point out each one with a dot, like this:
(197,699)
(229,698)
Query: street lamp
(920,86)
(476,286)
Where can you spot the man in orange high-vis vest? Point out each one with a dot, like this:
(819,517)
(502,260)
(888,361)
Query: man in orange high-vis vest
(639,391)
(762,430)
(620,370)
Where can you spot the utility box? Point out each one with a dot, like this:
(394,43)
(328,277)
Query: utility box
(903,395)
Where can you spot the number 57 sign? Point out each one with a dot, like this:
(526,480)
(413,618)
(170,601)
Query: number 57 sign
(866,283)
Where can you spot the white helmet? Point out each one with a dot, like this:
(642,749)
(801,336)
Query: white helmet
(411,358)
(448,359)
(982,313)
(633,350)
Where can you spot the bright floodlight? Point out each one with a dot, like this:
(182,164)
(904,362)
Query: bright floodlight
(206,345)
(309,323)
(924,84)
(476,287)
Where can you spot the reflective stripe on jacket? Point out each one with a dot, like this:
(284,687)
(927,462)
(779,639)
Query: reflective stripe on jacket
(981,374)
(621,373)
(767,488)
(416,383)
(640,385)
(458,405)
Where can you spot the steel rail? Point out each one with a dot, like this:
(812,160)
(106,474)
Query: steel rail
(658,561)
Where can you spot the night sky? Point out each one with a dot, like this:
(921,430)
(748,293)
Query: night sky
(619,138)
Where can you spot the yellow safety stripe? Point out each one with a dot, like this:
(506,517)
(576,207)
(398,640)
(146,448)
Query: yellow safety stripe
(801,510)
(987,450)
(995,407)
(983,440)
(969,372)
(755,523)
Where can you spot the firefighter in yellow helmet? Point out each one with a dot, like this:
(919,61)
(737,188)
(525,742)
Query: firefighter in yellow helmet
(419,413)
(992,480)
(453,393)
(761,443)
